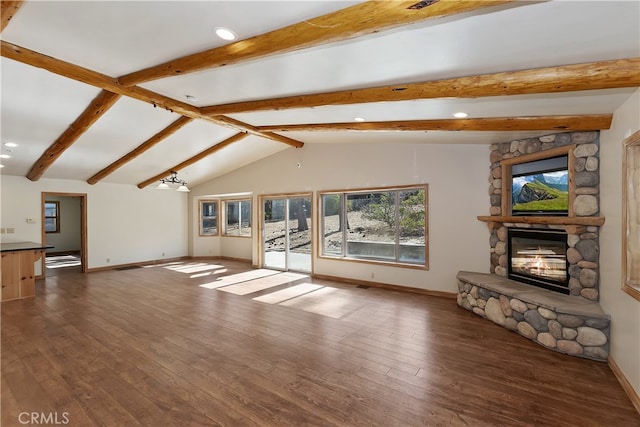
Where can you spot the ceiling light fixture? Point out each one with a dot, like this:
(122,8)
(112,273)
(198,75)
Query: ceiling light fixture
(10,144)
(460,115)
(225,33)
(173,179)
(191,98)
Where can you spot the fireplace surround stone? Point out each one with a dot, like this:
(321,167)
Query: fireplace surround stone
(573,324)
(559,322)
(583,241)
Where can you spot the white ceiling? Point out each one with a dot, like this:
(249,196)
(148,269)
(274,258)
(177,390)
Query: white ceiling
(119,37)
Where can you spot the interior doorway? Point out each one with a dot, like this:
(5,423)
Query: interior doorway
(64,226)
(287,232)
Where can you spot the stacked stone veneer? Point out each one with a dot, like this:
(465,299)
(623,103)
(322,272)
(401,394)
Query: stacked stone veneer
(583,253)
(572,324)
(548,319)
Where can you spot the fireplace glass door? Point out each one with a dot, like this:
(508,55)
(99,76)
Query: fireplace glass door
(539,258)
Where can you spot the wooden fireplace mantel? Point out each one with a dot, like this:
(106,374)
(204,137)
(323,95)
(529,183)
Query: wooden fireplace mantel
(548,220)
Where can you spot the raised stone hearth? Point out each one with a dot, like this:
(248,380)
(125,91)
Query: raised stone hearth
(559,322)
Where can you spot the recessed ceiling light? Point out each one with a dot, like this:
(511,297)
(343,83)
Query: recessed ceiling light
(460,115)
(359,119)
(225,33)
(5,156)
(191,98)
(10,144)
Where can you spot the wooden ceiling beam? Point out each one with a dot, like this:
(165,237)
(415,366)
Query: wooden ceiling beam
(155,139)
(355,21)
(89,116)
(93,78)
(254,130)
(620,73)
(209,151)
(8,10)
(533,123)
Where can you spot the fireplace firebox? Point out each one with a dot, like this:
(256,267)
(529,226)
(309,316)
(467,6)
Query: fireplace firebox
(539,258)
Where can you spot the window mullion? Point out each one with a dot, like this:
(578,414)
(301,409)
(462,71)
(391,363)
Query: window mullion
(345,224)
(397,222)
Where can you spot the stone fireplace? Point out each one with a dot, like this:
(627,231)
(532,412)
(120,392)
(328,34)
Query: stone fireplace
(544,270)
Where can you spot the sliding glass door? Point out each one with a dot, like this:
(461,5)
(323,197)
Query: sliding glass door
(286,233)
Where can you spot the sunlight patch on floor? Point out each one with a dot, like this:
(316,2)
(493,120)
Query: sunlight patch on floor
(239,278)
(251,286)
(208,273)
(288,293)
(213,285)
(62,261)
(164,264)
(326,301)
(194,267)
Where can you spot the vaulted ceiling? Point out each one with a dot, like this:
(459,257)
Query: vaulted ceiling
(125,92)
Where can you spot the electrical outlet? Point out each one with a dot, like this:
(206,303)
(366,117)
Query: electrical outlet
(108,260)
(162,253)
(373,275)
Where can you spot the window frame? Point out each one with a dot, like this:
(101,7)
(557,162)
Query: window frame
(630,147)
(56,217)
(201,217)
(226,219)
(371,260)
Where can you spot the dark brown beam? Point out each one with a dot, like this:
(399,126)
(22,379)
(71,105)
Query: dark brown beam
(574,123)
(8,10)
(89,116)
(155,139)
(355,21)
(93,78)
(236,124)
(621,73)
(195,159)
(105,82)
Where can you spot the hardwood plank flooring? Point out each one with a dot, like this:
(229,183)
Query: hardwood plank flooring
(218,343)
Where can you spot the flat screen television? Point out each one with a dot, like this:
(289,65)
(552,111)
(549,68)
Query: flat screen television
(540,187)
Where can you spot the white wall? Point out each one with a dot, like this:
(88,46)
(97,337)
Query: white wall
(624,309)
(70,237)
(457,176)
(124,224)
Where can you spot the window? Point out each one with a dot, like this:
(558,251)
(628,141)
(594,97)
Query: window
(208,218)
(387,225)
(52,217)
(238,218)
(631,216)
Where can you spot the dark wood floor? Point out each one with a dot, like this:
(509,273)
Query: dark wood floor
(200,344)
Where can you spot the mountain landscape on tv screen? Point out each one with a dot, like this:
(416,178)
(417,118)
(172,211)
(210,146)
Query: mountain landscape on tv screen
(543,192)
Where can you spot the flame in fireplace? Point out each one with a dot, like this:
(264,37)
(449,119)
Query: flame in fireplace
(540,261)
(538,266)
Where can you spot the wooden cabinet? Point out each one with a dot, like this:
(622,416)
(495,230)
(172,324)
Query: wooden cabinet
(18,277)
(10,275)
